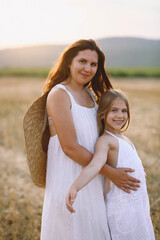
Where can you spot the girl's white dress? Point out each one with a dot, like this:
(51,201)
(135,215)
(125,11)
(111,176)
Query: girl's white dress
(129,214)
(90,220)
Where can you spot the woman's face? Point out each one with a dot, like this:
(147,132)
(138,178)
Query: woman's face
(84,66)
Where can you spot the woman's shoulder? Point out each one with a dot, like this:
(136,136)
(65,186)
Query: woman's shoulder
(57,95)
(58,90)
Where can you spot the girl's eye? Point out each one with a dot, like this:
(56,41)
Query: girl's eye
(113,110)
(82,60)
(124,110)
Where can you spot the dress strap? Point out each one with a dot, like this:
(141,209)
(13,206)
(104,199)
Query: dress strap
(73,101)
(118,138)
(91,94)
(70,95)
(111,134)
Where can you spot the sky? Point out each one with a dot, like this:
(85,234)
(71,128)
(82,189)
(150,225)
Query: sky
(32,22)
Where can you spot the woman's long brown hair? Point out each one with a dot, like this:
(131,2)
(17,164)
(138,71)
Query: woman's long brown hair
(60,71)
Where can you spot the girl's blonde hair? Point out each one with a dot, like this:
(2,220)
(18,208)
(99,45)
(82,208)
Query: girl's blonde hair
(105,105)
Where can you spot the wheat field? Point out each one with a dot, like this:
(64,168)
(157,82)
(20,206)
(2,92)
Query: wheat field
(20,201)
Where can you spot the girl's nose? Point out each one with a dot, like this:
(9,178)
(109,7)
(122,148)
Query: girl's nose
(119,114)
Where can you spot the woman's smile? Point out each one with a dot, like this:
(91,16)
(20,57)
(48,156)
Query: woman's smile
(84,67)
(85,75)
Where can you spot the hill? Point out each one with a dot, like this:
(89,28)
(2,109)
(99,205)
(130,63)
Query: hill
(131,52)
(119,52)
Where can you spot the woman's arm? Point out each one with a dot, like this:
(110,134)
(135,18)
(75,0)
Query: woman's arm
(59,109)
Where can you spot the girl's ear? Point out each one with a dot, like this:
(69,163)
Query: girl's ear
(102,116)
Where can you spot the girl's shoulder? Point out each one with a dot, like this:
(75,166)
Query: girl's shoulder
(109,140)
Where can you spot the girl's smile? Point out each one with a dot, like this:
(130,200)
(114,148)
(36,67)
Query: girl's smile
(118,121)
(117,116)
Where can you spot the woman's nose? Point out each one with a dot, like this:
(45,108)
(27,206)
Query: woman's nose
(87,67)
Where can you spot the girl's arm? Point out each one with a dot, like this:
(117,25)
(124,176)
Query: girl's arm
(59,109)
(89,172)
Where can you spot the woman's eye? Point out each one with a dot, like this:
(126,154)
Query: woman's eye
(94,64)
(124,111)
(113,110)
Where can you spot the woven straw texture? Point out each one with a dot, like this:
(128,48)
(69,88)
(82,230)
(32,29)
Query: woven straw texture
(36,137)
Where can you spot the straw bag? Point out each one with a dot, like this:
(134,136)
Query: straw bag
(36,133)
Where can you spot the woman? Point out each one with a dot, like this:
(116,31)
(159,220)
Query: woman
(71,110)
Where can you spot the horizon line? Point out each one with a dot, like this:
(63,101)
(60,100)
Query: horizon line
(19,46)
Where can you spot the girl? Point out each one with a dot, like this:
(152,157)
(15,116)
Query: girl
(128,214)
(72,110)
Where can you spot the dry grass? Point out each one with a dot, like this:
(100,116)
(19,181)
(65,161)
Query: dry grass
(20,201)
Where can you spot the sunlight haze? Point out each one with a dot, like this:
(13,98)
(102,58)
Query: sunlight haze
(28,22)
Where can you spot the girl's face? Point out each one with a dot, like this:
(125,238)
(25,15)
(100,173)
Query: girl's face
(117,116)
(84,67)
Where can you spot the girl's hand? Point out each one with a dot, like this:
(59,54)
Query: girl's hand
(70,198)
(124,181)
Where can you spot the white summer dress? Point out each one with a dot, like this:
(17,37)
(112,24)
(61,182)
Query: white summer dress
(90,220)
(129,214)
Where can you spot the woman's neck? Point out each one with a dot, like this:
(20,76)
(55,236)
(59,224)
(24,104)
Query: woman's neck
(73,85)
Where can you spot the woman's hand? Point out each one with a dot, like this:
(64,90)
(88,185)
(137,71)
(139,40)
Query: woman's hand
(70,198)
(124,181)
